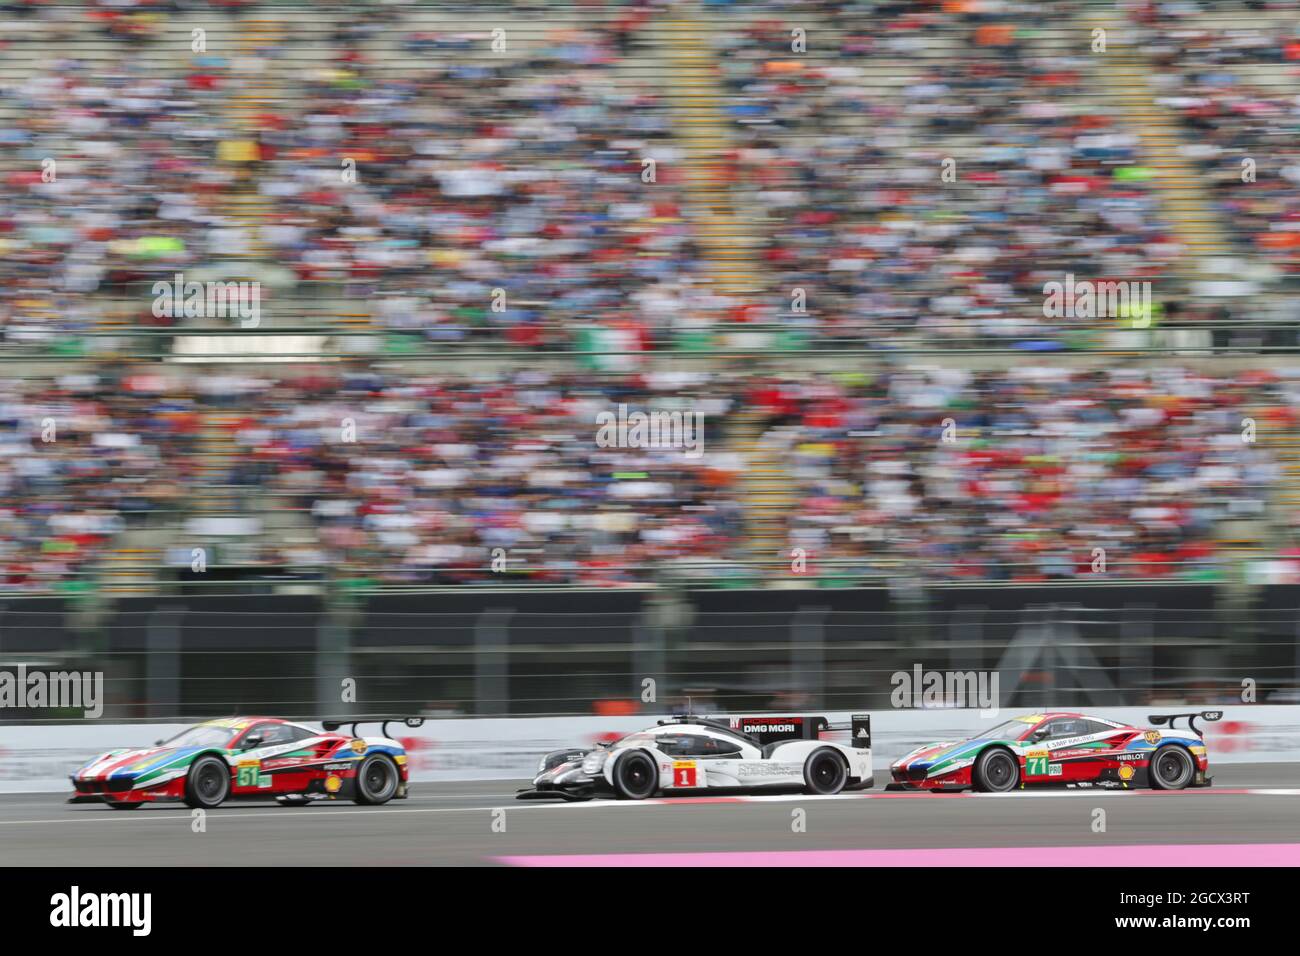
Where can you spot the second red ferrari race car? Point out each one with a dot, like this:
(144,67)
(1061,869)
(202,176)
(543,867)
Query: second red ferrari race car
(1068,750)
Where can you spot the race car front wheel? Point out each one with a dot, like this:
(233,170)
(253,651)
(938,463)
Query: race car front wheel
(636,776)
(377,780)
(1171,768)
(208,783)
(996,771)
(824,772)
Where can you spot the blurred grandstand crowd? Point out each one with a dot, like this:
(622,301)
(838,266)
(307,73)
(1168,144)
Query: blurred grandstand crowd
(520,180)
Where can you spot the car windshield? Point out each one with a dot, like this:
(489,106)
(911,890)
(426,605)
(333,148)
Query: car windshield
(204,735)
(1011,730)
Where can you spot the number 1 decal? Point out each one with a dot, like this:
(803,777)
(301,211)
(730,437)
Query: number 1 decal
(684,773)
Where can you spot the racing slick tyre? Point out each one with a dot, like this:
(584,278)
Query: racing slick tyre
(996,771)
(208,783)
(824,772)
(1172,768)
(377,780)
(636,776)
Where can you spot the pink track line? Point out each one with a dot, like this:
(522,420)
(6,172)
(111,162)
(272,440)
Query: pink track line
(1205,854)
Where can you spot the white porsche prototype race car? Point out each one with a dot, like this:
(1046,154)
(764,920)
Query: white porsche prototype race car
(685,754)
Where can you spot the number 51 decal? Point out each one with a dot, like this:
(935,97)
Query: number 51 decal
(684,773)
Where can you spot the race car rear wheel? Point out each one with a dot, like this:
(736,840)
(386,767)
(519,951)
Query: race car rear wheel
(825,772)
(377,780)
(996,771)
(636,776)
(1172,768)
(208,783)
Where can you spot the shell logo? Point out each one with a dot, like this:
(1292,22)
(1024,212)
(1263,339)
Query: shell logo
(1126,772)
(333,783)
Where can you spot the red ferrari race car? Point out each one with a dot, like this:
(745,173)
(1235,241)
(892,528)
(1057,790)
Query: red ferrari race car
(252,758)
(1073,751)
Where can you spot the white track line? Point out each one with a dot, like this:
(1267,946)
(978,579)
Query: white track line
(269,813)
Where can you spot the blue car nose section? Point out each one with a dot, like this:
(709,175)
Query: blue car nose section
(152,763)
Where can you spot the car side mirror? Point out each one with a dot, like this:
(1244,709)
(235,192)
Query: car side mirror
(159,742)
(251,742)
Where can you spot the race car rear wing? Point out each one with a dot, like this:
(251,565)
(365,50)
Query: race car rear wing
(859,728)
(1170,719)
(770,730)
(334,723)
(767,730)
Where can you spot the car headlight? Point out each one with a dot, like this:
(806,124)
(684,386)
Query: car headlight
(594,762)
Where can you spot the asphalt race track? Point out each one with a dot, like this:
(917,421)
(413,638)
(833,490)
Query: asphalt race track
(1251,815)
